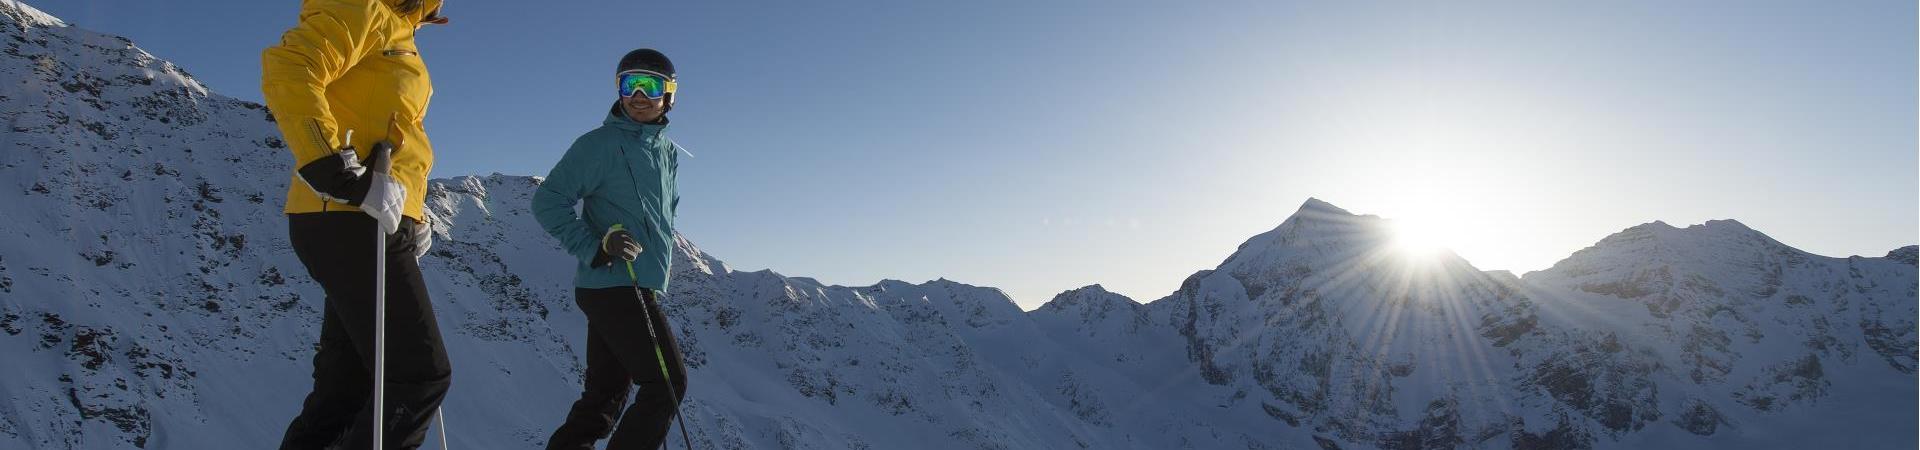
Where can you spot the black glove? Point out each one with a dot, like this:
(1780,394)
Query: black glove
(617,243)
(341,177)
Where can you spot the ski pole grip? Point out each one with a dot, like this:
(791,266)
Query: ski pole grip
(630,274)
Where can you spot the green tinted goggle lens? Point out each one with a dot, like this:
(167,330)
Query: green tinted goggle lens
(650,85)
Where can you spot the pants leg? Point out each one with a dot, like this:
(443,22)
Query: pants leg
(340,389)
(646,423)
(593,415)
(339,252)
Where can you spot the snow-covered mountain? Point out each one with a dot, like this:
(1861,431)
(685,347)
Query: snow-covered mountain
(1656,337)
(149,299)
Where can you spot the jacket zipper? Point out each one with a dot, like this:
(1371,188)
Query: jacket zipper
(635,181)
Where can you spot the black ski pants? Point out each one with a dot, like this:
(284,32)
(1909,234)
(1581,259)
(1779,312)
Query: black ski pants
(620,354)
(338,249)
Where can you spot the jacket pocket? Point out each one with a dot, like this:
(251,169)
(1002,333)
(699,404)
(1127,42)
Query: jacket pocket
(401,52)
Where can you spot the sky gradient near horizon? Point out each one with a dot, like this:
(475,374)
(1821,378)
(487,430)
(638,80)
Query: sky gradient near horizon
(1042,146)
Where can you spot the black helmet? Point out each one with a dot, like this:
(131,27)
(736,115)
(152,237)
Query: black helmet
(646,59)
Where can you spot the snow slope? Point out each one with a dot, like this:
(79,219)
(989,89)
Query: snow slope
(149,299)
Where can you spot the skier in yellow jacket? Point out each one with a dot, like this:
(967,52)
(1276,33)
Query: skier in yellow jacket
(348,90)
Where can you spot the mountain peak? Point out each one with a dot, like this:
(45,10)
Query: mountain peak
(1655,225)
(1660,233)
(1317,228)
(1095,288)
(1316,206)
(1662,230)
(1908,254)
(20,16)
(1651,245)
(1093,304)
(1089,296)
(1725,225)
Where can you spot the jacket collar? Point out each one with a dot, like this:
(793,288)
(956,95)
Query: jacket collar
(427,6)
(618,119)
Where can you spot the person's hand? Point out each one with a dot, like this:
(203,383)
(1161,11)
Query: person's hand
(342,178)
(617,243)
(384,195)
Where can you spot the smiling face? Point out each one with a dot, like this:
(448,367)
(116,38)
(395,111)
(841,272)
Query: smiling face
(641,109)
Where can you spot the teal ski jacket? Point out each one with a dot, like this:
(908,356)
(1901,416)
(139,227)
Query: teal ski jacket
(623,172)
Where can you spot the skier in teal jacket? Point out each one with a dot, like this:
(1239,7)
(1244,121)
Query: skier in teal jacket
(623,172)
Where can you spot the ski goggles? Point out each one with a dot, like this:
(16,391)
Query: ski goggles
(650,84)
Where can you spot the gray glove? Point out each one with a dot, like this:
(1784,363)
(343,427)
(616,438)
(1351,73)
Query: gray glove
(384,194)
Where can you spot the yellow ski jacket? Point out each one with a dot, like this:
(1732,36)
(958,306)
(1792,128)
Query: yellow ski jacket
(351,65)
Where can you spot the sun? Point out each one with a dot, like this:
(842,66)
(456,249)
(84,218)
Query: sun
(1415,241)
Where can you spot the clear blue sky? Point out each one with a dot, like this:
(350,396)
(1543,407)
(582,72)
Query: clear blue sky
(1041,146)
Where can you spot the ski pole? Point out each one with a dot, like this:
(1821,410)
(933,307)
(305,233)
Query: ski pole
(658,356)
(380,352)
(379,338)
(440,414)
